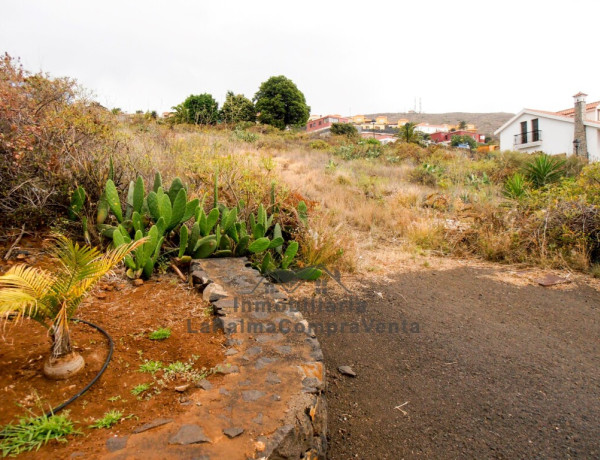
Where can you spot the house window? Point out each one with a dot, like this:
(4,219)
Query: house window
(523,132)
(535,130)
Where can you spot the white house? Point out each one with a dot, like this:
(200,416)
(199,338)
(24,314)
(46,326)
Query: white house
(575,130)
(430,129)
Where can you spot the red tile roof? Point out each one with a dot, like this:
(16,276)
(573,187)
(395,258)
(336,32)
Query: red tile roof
(570,112)
(566,117)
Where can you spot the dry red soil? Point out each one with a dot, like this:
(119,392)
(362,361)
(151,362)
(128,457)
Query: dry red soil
(128,313)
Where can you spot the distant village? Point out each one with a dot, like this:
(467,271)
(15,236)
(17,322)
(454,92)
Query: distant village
(385,130)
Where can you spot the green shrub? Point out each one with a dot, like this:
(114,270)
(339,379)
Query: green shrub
(515,187)
(319,144)
(344,129)
(544,170)
(244,136)
(464,139)
(426,174)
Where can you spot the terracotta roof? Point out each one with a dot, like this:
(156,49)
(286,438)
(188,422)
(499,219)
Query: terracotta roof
(580,94)
(566,117)
(570,112)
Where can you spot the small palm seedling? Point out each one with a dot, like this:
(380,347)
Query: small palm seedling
(52,298)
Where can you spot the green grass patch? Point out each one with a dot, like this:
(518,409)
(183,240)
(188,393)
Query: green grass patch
(160,334)
(109,419)
(32,432)
(178,368)
(139,389)
(150,366)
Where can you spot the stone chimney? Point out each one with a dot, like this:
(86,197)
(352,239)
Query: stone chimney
(579,140)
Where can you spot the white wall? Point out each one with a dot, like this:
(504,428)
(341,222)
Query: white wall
(593,141)
(557,136)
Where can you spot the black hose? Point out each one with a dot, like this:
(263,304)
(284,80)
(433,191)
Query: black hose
(111,346)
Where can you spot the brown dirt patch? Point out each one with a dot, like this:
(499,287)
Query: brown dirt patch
(128,313)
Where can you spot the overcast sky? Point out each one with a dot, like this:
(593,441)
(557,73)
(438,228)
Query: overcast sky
(346,57)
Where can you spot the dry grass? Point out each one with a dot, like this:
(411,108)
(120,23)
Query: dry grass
(363,208)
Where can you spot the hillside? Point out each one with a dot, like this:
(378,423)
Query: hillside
(486,123)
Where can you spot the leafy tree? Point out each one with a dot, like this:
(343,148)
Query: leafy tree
(344,129)
(237,108)
(201,109)
(53,297)
(280,103)
(462,125)
(409,134)
(465,139)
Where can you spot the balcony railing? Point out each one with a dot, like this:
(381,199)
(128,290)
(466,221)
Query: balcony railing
(529,136)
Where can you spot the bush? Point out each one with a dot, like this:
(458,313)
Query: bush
(465,139)
(426,174)
(344,129)
(244,136)
(515,187)
(51,139)
(319,145)
(544,170)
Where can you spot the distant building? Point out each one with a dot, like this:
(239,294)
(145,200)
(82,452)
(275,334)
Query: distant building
(430,129)
(468,127)
(380,123)
(324,123)
(575,130)
(400,123)
(441,136)
(383,138)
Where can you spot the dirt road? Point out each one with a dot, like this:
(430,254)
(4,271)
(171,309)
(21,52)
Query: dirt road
(494,371)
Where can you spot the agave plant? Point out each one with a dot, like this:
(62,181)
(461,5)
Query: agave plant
(51,298)
(544,170)
(515,187)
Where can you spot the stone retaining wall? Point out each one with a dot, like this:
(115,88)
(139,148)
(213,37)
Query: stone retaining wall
(270,404)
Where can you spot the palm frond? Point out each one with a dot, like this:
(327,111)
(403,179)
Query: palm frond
(73,260)
(99,267)
(24,291)
(33,292)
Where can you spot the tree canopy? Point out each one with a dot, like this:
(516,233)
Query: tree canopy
(409,134)
(237,108)
(199,109)
(457,140)
(280,103)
